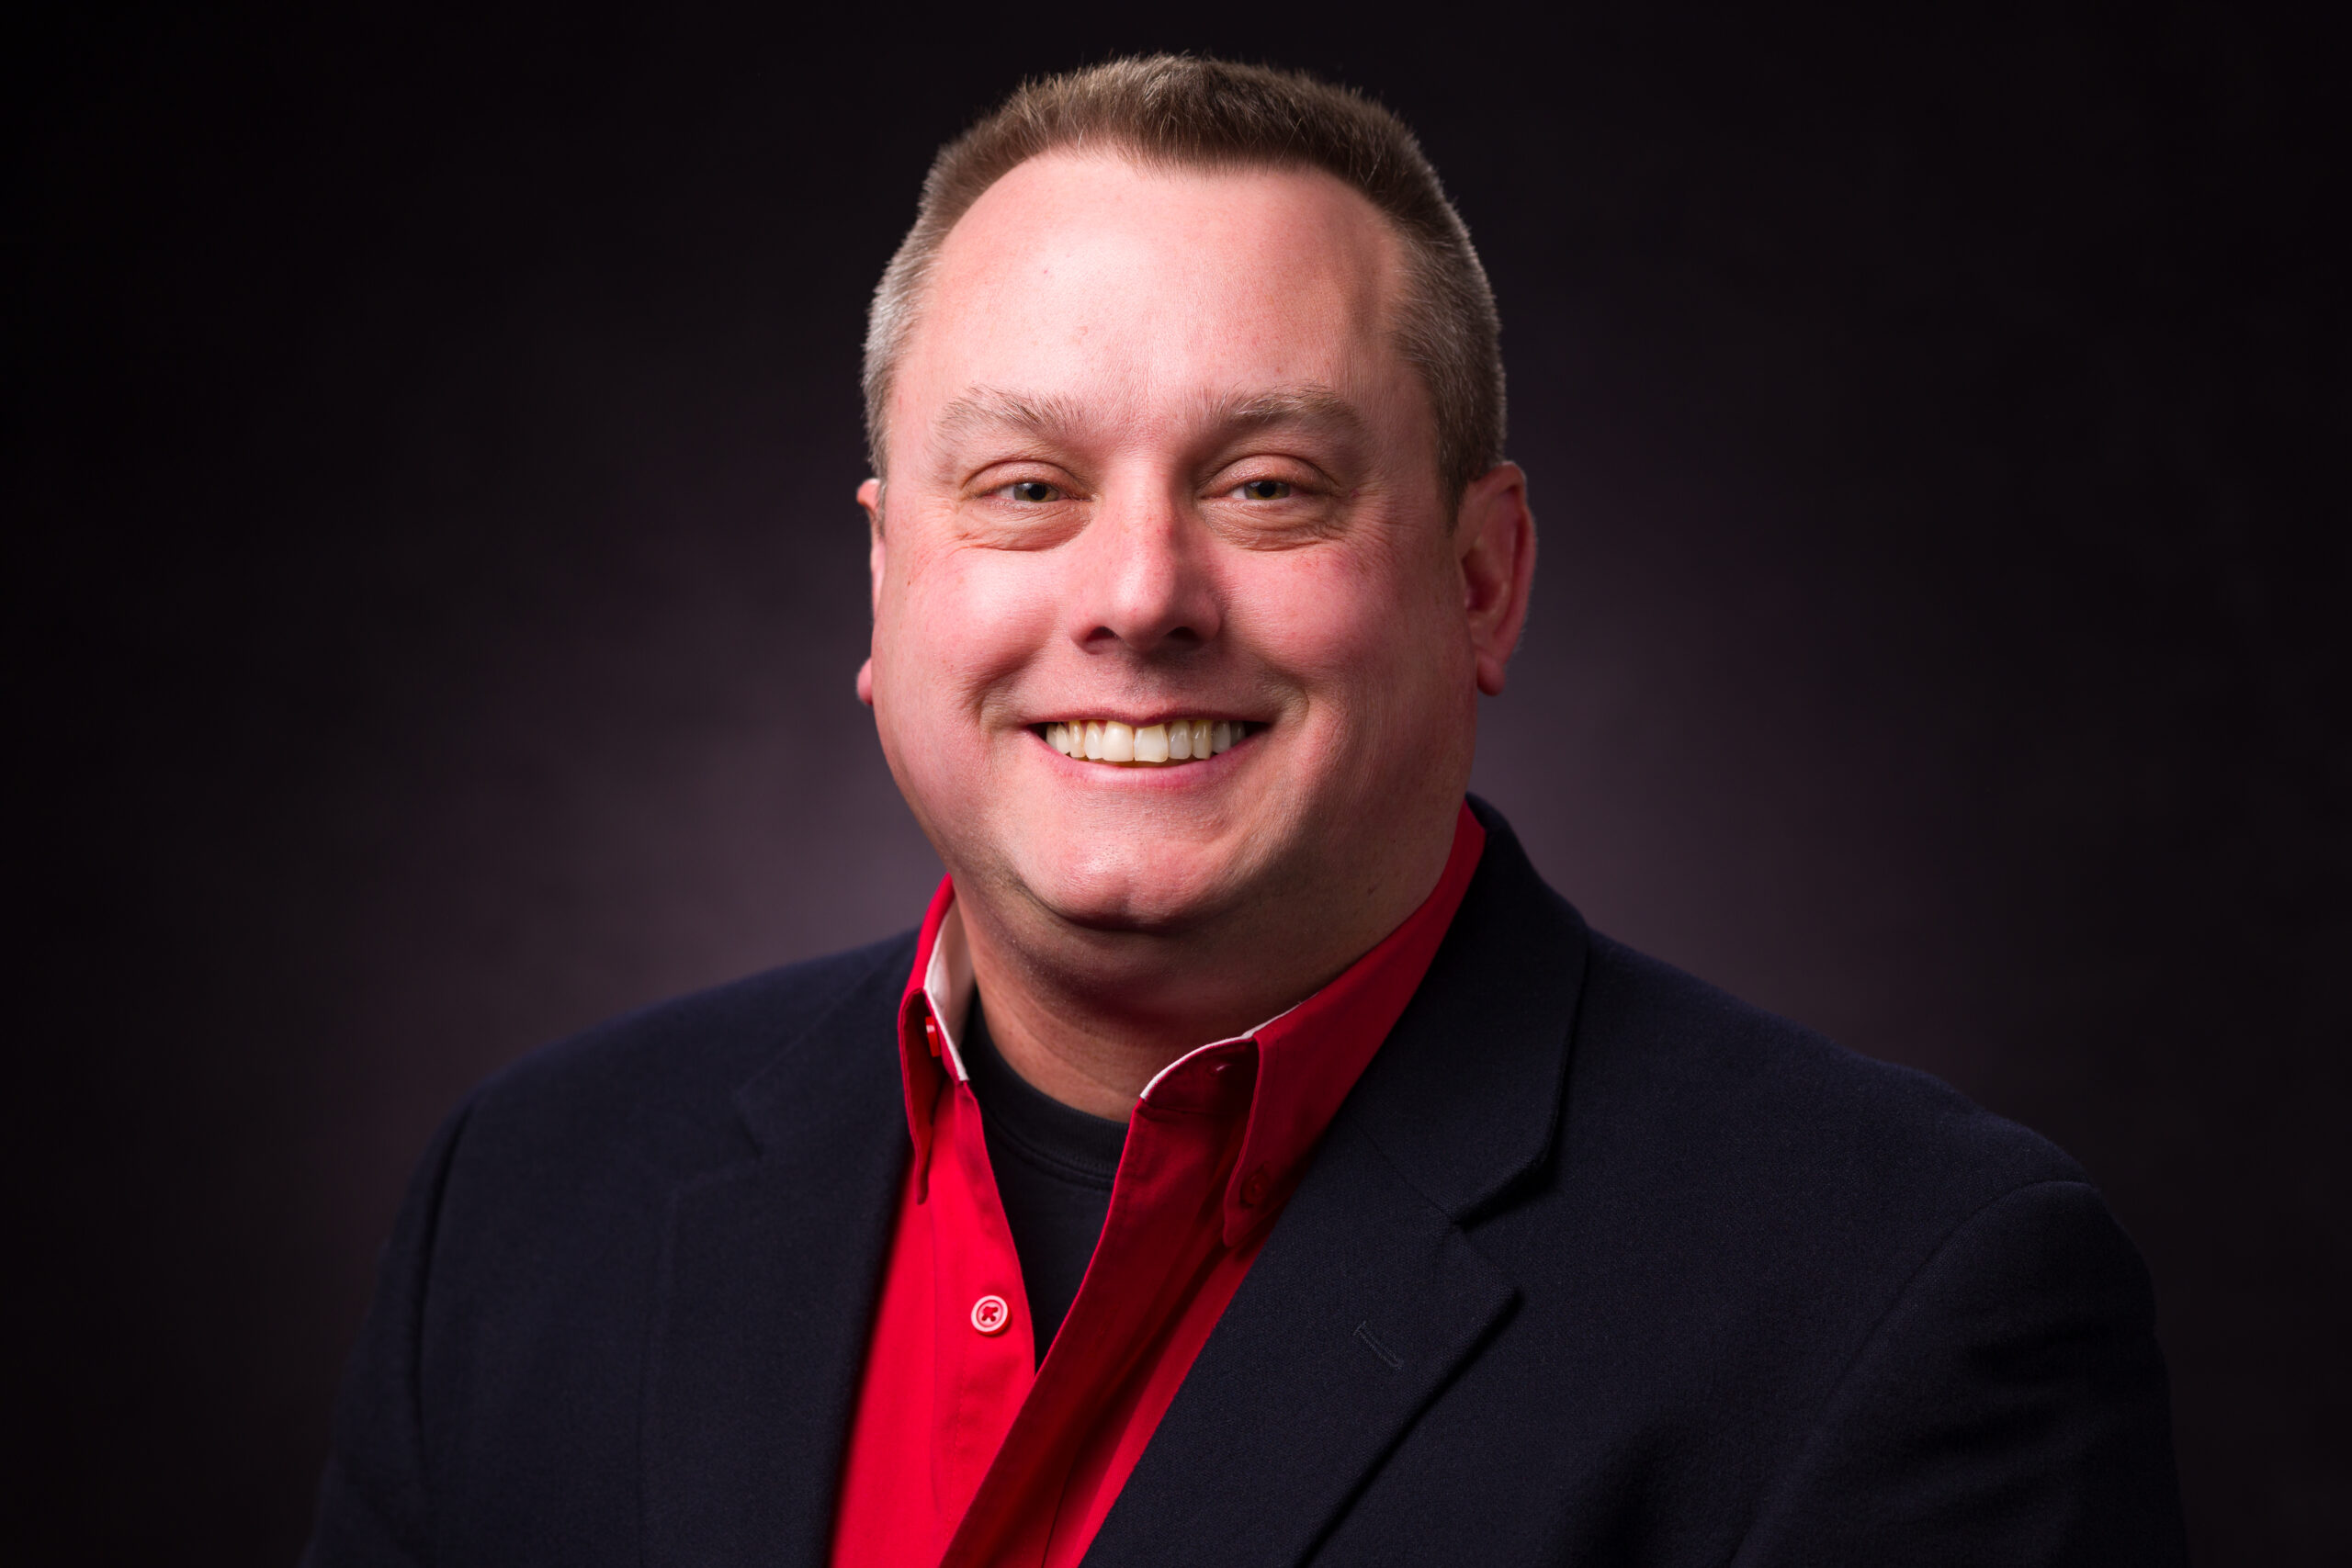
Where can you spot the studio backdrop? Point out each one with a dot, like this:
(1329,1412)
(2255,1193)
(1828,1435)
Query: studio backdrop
(437,590)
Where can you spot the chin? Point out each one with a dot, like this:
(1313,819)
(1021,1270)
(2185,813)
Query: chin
(1123,892)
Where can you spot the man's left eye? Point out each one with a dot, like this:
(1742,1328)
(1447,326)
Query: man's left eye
(1263,489)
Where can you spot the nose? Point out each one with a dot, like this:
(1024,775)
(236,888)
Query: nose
(1142,580)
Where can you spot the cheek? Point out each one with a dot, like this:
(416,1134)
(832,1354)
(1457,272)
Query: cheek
(956,625)
(1365,630)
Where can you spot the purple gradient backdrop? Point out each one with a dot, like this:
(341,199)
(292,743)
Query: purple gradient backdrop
(429,455)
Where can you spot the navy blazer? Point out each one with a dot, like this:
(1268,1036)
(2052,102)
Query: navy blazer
(1597,1265)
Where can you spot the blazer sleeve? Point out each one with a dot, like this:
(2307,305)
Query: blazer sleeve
(374,1500)
(2010,1408)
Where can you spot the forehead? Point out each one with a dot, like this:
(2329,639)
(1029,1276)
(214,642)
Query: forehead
(1114,286)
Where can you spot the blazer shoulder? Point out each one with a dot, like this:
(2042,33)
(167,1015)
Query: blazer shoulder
(665,1078)
(1755,1104)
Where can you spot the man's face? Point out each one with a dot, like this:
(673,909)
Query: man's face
(1154,460)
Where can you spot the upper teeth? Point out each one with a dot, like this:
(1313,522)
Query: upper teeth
(1109,740)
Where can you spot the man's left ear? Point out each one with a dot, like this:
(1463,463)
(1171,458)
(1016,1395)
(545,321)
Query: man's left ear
(1494,540)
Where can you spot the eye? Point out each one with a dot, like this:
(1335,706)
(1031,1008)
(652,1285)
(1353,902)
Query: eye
(1032,490)
(1264,489)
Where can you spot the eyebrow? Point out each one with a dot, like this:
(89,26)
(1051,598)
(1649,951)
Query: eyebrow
(990,408)
(987,408)
(1311,404)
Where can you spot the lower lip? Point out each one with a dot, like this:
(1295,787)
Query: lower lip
(1151,775)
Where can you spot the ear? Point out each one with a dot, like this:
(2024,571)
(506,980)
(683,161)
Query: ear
(1493,541)
(869,496)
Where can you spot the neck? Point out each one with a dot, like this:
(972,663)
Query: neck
(1091,1017)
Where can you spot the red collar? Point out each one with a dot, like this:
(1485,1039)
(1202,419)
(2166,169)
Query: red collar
(1307,1060)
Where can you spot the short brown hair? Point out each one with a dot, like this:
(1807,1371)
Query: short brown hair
(1182,111)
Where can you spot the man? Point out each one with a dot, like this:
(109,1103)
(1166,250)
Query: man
(1249,1160)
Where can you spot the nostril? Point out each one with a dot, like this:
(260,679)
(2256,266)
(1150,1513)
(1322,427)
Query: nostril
(1183,639)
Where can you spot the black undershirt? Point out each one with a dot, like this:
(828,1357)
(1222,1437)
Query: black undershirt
(1054,1167)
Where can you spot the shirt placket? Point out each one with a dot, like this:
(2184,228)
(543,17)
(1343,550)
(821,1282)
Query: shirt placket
(985,1351)
(1160,1235)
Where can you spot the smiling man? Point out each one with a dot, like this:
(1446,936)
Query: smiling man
(1249,1159)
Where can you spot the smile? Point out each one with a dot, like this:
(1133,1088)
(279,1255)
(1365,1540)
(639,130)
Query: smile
(1151,745)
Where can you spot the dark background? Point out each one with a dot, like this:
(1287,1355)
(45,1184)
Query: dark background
(435,591)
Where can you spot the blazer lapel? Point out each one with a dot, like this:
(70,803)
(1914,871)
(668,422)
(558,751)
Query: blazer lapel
(1359,1309)
(768,1283)
(1368,1295)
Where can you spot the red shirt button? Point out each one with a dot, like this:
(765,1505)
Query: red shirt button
(989,1314)
(1253,1192)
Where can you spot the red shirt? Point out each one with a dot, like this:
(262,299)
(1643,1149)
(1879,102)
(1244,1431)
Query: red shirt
(964,1450)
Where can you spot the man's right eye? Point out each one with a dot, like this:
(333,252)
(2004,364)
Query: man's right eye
(1030,490)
